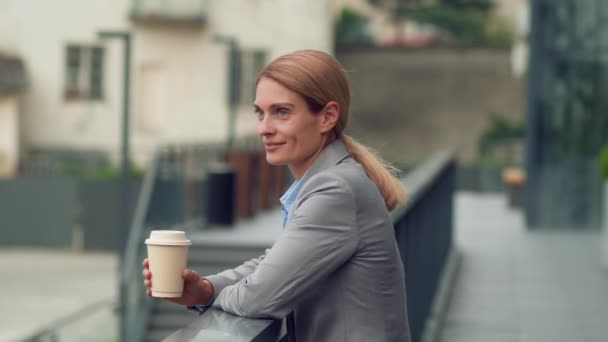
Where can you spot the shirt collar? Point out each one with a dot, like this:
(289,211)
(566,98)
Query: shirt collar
(289,197)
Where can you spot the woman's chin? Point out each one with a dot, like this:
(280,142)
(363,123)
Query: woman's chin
(274,160)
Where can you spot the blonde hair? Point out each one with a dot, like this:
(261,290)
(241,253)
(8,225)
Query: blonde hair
(319,78)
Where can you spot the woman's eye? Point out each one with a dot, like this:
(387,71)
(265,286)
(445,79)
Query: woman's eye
(258,114)
(282,112)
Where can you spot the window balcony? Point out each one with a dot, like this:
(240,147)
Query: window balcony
(169,12)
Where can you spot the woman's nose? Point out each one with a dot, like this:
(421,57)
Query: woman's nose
(265,126)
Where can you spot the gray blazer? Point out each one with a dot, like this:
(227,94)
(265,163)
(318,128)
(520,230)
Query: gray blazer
(336,265)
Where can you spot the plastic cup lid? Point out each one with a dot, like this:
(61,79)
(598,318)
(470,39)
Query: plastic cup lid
(168,237)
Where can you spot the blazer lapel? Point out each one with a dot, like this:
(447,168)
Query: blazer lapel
(331,155)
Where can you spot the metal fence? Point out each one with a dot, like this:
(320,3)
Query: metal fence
(37,211)
(60,212)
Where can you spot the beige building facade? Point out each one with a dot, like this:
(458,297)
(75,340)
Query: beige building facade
(179,69)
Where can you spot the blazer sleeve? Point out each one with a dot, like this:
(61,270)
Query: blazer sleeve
(229,277)
(319,237)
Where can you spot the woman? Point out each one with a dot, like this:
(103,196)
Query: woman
(336,268)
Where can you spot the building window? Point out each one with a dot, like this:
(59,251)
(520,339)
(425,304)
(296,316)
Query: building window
(252,61)
(84,72)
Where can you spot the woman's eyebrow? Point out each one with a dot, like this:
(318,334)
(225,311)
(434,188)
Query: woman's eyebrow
(281,104)
(275,105)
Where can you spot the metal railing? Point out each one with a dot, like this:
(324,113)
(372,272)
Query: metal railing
(423,229)
(215,323)
(134,309)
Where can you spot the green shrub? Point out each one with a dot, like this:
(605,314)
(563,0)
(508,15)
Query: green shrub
(351,28)
(500,130)
(604,162)
(501,142)
(105,171)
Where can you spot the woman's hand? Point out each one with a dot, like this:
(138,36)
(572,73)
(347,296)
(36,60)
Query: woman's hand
(196,289)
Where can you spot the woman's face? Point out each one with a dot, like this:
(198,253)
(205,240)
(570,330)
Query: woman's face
(291,133)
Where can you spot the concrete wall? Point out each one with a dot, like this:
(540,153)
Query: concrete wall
(410,103)
(9,135)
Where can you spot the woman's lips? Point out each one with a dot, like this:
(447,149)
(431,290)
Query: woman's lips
(272,146)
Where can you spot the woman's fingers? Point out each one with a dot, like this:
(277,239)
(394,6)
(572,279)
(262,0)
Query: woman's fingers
(147,274)
(190,275)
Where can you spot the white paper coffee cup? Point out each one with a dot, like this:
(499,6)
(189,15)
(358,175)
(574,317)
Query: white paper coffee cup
(167,255)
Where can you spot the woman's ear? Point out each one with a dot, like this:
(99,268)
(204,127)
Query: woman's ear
(330,116)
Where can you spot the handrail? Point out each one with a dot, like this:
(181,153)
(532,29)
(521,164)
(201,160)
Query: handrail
(419,179)
(139,217)
(133,331)
(215,323)
(423,229)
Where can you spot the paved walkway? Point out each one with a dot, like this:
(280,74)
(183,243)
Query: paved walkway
(524,286)
(39,287)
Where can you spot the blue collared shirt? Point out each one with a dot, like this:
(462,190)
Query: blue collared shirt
(289,198)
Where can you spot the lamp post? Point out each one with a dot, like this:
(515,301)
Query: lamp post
(125,193)
(124,201)
(233,85)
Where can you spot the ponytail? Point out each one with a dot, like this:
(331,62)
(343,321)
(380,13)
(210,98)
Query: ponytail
(380,172)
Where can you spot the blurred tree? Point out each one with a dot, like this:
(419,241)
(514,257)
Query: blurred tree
(462,21)
(352,28)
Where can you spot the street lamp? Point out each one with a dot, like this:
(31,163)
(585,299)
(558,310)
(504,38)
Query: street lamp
(125,193)
(233,85)
(124,201)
